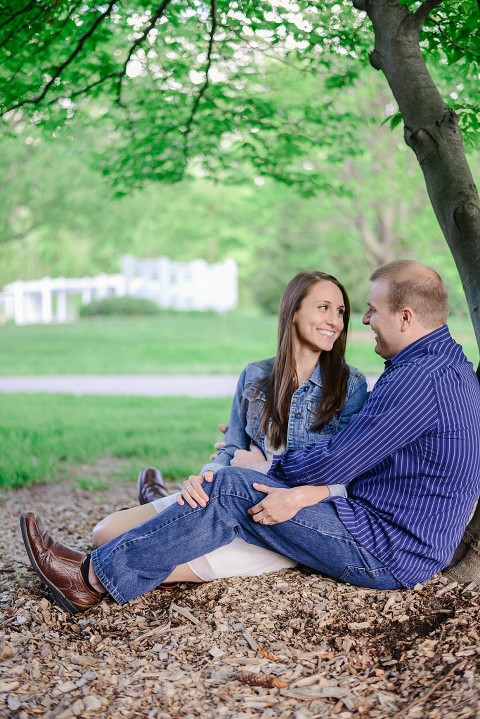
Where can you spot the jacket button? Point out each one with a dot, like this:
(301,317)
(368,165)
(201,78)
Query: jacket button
(298,415)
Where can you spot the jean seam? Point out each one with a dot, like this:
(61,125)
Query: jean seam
(338,537)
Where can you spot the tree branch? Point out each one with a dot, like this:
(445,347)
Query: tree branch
(14,15)
(69,60)
(466,49)
(204,87)
(425,9)
(18,26)
(60,27)
(156,16)
(83,90)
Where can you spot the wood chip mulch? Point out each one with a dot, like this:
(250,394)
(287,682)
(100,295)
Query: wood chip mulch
(288,644)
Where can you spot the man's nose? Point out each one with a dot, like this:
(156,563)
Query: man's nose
(366,318)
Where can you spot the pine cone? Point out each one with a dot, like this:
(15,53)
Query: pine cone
(269,681)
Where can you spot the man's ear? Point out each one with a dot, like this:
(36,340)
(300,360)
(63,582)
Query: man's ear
(408,316)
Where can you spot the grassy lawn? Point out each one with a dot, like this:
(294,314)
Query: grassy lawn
(183,343)
(42,436)
(169,343)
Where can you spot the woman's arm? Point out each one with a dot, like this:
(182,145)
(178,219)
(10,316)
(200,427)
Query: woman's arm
(236,436)
(356,398)
(236,440)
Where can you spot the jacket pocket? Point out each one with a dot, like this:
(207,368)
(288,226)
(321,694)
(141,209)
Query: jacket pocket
(255,399)
(328,429)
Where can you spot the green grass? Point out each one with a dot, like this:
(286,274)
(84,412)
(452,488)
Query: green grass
(170,343)
(43,436)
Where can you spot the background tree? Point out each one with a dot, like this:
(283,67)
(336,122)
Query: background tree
(180,86)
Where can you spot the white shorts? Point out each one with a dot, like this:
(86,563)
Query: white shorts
(237,559)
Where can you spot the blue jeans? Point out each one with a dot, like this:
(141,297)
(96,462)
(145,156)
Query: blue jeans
(145,556)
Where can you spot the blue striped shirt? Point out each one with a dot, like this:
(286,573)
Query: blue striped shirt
(411,458)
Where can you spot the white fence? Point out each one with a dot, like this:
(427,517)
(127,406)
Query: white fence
(194,285)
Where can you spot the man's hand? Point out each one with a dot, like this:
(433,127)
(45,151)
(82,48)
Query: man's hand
(281,504)
(252,458)
(192,491)
(218,445)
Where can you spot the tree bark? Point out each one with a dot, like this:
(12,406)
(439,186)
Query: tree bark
(432,131)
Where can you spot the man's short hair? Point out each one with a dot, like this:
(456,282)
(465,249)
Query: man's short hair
(411,284)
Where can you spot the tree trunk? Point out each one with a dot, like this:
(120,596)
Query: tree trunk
(432,131)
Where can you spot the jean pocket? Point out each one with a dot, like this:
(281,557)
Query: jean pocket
(380,578)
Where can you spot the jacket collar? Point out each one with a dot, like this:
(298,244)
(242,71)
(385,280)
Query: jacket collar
(316,376)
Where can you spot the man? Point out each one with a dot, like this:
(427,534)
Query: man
(411,458)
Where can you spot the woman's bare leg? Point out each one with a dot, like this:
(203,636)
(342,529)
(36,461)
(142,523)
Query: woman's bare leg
(120,522)
(182,573)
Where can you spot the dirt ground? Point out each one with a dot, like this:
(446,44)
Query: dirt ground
(288,644)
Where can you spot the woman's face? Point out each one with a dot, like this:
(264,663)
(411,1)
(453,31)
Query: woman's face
(319,321)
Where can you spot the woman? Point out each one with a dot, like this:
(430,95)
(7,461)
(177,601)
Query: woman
(303,396)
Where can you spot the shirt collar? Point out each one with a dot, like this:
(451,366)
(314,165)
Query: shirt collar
(420,347)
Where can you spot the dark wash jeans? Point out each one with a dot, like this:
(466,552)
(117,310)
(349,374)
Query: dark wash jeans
(145,556)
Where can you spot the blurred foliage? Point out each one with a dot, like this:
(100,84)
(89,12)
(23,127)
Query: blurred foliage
(119,306)
(59,217)
(277,143)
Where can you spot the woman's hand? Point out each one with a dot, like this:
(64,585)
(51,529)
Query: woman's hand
(219,445)
(192,491)
(252,458)
(281,504)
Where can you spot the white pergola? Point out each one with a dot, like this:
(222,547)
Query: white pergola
(194,285)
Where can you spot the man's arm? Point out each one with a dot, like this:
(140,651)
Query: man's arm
(402,406)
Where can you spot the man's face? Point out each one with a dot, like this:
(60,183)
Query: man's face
(386,325)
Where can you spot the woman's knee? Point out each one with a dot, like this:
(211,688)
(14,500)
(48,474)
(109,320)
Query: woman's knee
(104,531)
(120,522)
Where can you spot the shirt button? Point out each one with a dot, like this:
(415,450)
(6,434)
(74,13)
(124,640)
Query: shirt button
(305,389)
(298,415)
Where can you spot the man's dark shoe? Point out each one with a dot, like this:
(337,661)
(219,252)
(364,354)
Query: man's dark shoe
(151,485)
(58,567)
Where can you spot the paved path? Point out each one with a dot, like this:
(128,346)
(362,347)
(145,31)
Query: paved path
(133,385)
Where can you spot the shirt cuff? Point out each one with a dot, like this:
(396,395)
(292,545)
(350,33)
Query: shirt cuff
(337,490)
(211,467)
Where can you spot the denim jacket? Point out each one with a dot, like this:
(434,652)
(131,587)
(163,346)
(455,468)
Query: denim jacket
(247,409)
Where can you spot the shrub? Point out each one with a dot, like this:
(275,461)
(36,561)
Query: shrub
(119,306)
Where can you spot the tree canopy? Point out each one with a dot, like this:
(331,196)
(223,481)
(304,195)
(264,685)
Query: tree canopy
(181,86)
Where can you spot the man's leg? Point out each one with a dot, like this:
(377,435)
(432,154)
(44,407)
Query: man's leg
(146,556)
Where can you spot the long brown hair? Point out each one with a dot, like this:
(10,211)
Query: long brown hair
(283,381)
